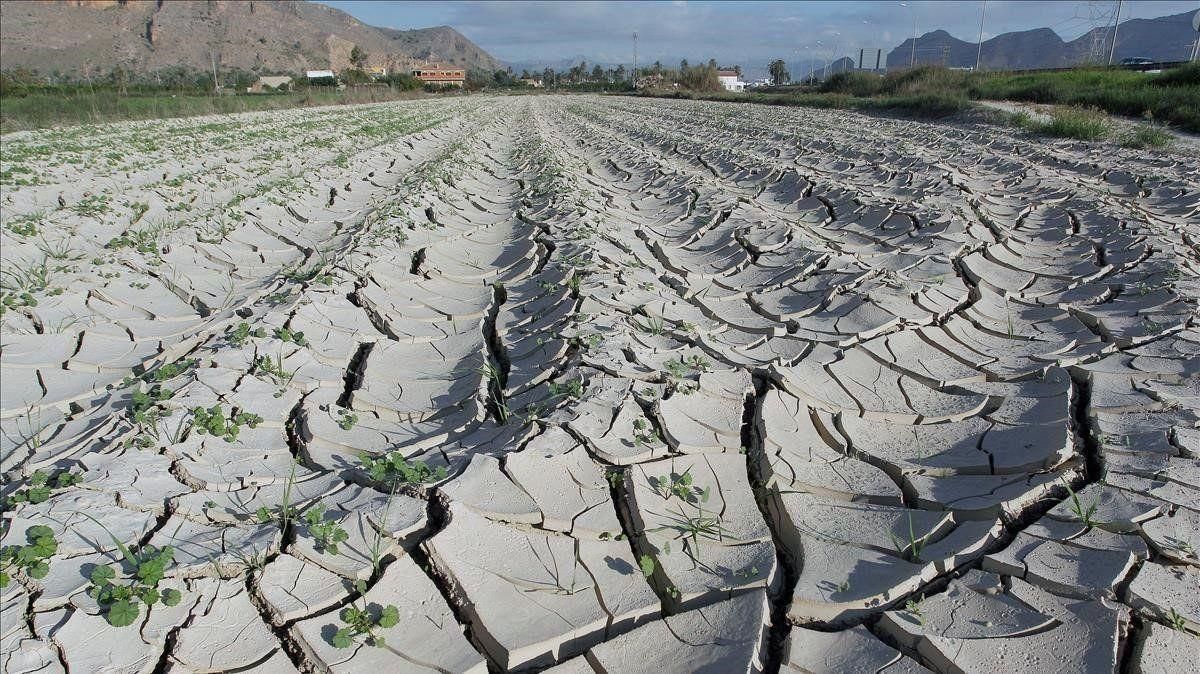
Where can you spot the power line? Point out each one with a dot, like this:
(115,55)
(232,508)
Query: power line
(1116,24)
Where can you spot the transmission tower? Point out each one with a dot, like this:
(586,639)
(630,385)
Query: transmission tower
(1100,20)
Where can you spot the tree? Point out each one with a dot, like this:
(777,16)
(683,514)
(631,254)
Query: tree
(358,57)
(548,77)
(778,71)
(597,73)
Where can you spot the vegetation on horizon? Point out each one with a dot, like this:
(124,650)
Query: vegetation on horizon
(1171,97)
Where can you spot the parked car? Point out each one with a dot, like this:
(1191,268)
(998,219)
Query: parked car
(1137,61)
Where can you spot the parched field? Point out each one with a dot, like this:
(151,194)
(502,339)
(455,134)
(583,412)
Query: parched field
(596,385)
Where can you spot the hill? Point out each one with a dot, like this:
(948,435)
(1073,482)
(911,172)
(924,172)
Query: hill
(1166,38)
(83,38)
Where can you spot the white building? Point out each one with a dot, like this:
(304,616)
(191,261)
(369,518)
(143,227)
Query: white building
(318,74)
(730,80)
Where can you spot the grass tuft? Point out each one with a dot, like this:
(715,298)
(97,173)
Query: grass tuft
(1077,123)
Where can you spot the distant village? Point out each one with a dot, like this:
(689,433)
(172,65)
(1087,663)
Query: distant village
(434,74)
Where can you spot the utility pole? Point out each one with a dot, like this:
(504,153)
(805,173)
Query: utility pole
(213,60)
(912,61)
(635,36)
(1116,23)
(979,49)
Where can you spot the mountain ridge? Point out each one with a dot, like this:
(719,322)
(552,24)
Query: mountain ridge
(85,38)
(1164,38)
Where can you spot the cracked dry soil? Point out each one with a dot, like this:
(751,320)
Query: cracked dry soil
(592,384)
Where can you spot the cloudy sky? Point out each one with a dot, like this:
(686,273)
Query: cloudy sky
(748,33)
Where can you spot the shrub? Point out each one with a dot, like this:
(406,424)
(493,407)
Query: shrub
(853,83)
(1184,76)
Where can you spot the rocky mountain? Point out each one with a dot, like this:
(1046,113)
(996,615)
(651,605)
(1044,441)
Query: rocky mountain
(82,38)
(1166,38)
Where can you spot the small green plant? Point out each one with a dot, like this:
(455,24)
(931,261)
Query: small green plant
(33,558)
(25,225)
(572,389)
(146,406)
(314,273)
(913,606)
(647,564)
(41,485)
(681,487)
(911,548)
(213,421)
(144,241)
(393,468)
(346,418)
(96,204)
(589,341)
(643,434)
(1086,513)
(575,282)
(655,325)
(294,336)
(1176,621)
(172,370)
(679,368)
(696,526)
(328,534)
(364,622)
(239,335)
(273,367)
(120,601)
(286,511)
(495,380)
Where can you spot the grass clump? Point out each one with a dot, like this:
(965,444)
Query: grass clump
(1148,136)
(1077,123)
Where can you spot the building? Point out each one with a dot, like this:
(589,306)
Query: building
(318,74)
(730,80)
(440,74)
(535,82)
(377,72)
(270,82)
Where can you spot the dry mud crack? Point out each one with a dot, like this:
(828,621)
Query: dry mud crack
(586,384)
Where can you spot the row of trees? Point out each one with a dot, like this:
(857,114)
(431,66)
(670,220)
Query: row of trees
(701,77)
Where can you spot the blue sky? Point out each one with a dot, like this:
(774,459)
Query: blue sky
(747,33)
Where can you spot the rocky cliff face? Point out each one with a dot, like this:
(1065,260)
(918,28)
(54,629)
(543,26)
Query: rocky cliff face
(91,37)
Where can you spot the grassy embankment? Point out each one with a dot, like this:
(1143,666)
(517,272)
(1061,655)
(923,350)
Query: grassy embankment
(41,110)
(1172,97)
